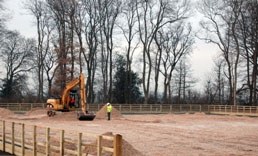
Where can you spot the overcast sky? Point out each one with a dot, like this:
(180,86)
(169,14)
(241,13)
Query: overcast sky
(201,58)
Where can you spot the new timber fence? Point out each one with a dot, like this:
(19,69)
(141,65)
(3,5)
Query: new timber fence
(28,140)
(151,108)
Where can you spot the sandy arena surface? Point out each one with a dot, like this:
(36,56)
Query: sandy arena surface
(162,135)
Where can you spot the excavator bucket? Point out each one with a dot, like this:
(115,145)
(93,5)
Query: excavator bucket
(88,116)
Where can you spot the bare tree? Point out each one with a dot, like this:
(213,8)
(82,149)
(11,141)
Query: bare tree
(159,40)
(71,16)
(183,81)
(2,20)
(108,13)
(59,10)
(1,12)
(50,68)
(152,16)
(46,57)
(221,26)
(16,53)
(38,9)
(177,44)
(248,31)
(87,24)
(220,78)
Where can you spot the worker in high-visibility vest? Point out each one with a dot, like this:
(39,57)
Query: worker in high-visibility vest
(109,110)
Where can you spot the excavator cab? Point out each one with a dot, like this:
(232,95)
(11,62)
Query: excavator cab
(73,100)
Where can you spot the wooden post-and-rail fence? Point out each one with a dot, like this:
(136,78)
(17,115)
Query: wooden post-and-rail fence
(27,140)
(150,108)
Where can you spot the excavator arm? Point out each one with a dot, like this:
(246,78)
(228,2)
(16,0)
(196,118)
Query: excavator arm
(84,115)
(82,94)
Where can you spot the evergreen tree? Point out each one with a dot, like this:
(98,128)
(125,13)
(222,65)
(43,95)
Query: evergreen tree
(125,91)
(13,88)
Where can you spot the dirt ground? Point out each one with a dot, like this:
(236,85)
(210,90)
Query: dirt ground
(163,135)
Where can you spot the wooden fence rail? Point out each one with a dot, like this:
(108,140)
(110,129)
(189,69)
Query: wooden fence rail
(150,108)
(21,140)
(22,107)
(234,110)
(123,108)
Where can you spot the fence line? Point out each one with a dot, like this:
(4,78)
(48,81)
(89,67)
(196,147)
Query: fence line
(234,110)
(183,108)
(22,107)
(150,108)
(16,139)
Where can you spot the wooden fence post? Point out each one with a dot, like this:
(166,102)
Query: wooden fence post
(22,141)
(3,135)
(34,140)
(79,148)
(62,143)
(117,144)
(47,141)
(12,150)
(99,150)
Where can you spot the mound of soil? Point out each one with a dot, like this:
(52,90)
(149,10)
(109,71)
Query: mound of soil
(5,113)
(102,113)
(127,149)
(35,113)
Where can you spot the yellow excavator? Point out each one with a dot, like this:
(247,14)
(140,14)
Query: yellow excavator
(64,103)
